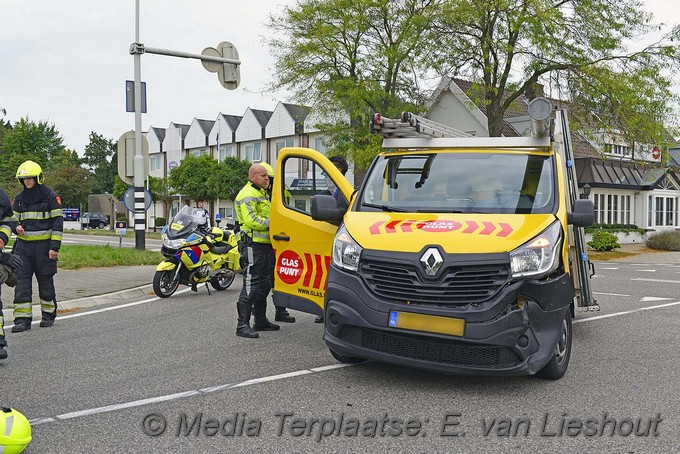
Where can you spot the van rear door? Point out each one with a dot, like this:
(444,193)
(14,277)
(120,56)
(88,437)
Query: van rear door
(302,245)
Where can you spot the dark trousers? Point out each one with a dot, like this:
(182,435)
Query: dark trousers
(35,261)
(257,260)
(3,342)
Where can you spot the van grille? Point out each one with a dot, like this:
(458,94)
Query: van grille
(430,349)
(401,283)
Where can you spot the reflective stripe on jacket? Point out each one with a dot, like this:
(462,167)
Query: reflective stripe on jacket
(252,211)
(42,220)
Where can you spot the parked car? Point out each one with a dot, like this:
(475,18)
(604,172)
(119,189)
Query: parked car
(93,220)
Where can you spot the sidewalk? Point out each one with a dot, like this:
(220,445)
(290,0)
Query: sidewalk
(646,255)
(88,287)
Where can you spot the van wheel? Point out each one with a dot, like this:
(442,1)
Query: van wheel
(347,359)
(557,366)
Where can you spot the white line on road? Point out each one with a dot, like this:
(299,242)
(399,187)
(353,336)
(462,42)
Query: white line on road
(646,271)
(632,311)
(655,280)
(250,382)
(606,268)
(609,294)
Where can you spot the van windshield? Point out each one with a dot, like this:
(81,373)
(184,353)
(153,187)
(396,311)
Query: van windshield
(514,183)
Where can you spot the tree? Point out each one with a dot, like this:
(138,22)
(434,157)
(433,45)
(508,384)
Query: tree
(355,57)
(229,178)
(102,158)
(576,49)
(161,192)
(40,142)
(72,184)
(189,178)
(375,55)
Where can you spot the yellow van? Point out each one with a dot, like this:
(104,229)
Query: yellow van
(455,254)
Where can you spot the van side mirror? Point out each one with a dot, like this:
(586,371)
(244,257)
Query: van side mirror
(325,208)
(583,214)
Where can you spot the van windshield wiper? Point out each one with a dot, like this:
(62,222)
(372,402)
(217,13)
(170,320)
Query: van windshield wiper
(384,207)
(439,210)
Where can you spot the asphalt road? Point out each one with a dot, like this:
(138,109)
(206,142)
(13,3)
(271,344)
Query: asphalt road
(100,240)
(102,381)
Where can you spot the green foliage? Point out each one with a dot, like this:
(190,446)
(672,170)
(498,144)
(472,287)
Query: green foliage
(119,188)
(614,228)
(189,177)
(73,184)
(121,217)
(101,156)
(228,178)
(604,241)
(160,222)
(40,142)
(666,241)
(76,256)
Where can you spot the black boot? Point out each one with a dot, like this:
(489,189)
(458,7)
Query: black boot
(3,352)
(318,319)
(282,315)
(266,325)
(20,325)
(47,320)
(244,330)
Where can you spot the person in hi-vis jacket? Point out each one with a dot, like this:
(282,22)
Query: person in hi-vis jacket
(39,233)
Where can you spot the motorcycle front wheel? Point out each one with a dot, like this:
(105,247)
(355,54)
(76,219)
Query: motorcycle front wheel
(164,283)
(222,282)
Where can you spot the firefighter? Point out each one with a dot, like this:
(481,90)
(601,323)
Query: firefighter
(252,210)
(39,233)
(8,262)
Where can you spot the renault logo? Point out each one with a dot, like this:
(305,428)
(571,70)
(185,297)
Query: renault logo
(432,260)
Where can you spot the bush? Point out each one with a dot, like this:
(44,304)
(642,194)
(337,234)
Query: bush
(121,217)
(159,222)
(604,241)
(613,228)
(666,241)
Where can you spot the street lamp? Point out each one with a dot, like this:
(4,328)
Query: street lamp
(586,191)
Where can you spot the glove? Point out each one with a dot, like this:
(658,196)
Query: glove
(11,260)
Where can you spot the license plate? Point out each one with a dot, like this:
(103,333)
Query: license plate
(427,323)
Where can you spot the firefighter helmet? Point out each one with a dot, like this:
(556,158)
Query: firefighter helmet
(30,169)
(269,169)
(15,431)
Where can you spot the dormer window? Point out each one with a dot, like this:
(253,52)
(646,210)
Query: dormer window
(622,151)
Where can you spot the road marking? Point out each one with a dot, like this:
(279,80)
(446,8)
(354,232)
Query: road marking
(609,294)
(646,271)
(182,395)
(655,280)
(607,268)
(653,298)
(616,314)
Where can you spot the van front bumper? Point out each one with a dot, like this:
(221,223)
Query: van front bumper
(501,337)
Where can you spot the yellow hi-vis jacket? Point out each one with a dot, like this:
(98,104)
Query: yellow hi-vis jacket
(252,211)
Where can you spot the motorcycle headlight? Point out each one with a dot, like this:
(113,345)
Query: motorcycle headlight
(172,244)
(346,251)
(539,256)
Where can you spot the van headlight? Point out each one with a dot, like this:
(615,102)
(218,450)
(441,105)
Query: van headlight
(346,251)
(540,255)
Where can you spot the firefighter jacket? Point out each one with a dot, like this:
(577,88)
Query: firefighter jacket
(39,212)
(8,221)
(252,211)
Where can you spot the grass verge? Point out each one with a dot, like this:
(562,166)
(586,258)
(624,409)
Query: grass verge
(76,256)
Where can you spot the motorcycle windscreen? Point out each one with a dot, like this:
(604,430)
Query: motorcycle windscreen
(182,223)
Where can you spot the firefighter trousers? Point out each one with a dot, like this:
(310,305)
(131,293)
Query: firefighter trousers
(35,261)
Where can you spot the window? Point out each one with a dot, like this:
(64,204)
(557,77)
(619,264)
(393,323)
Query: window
(612,208)
(198,152)
(254,152)
(155,163)
(617,150)
(287,142)
(225,151)
(303,179)
(320,145)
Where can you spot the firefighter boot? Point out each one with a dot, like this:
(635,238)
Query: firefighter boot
(47,320)
(3,352)
(21,325)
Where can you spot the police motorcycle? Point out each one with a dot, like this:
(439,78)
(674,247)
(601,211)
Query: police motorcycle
(195,254)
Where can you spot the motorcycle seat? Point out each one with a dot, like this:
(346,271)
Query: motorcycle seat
(220,248)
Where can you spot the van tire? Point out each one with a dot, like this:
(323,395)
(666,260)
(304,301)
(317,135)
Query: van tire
(558,364)
(347,359)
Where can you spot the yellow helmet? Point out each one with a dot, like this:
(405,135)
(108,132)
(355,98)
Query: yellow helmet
(15,431)
(30,169)
(269,169)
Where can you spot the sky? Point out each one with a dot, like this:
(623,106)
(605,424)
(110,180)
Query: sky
(66,61)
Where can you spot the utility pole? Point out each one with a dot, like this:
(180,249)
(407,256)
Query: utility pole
(223,60)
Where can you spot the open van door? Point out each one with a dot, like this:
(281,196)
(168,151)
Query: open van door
(301,244)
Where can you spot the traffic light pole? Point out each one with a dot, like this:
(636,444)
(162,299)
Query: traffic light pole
(138,164)
(214,60)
